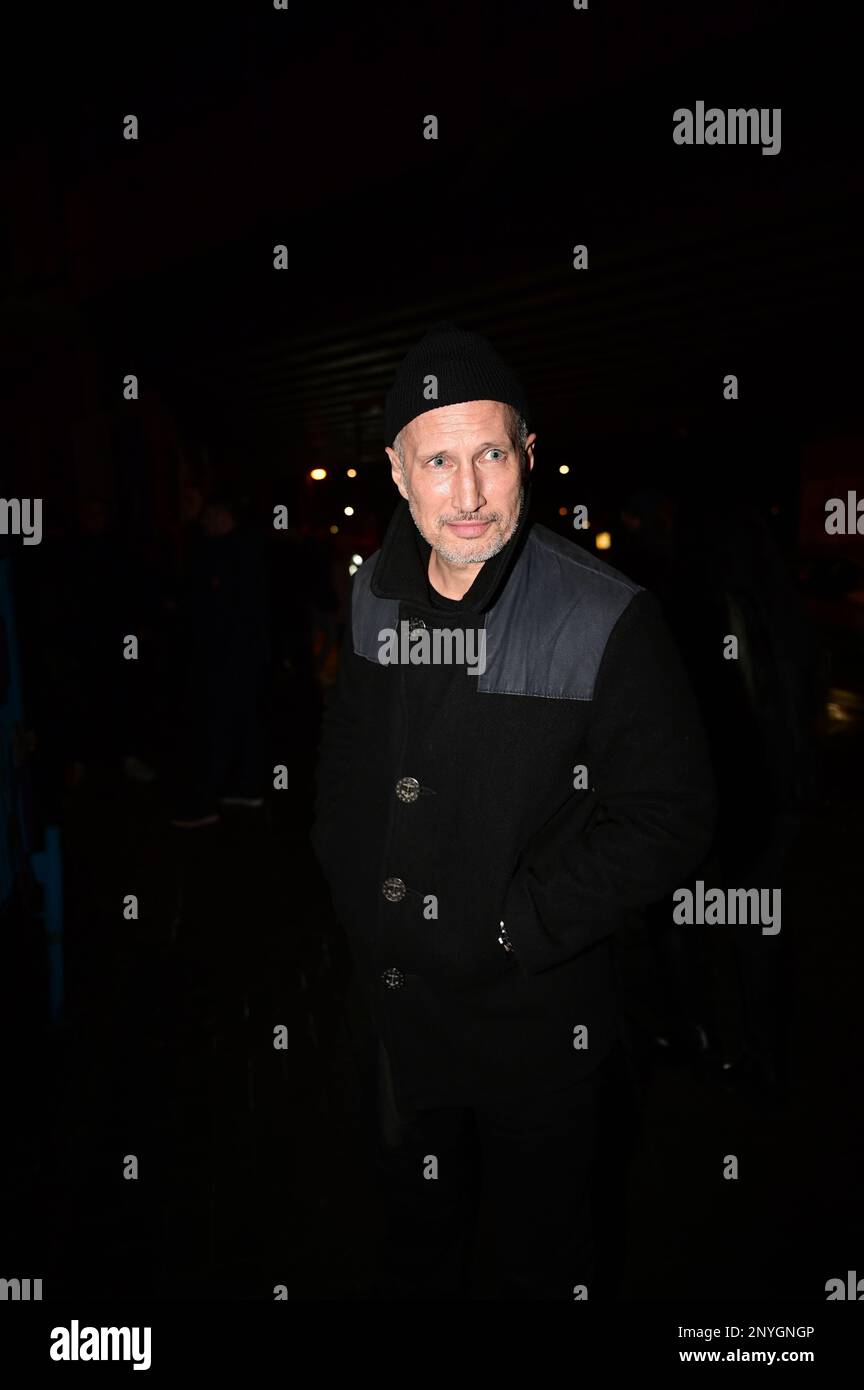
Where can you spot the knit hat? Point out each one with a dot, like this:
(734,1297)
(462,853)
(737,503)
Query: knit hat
(465,367)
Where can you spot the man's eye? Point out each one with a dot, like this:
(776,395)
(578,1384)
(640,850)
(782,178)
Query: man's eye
(499,452)
(439,458)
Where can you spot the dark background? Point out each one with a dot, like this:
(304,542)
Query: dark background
(154,257)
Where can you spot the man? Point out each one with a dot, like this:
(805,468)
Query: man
(485,825)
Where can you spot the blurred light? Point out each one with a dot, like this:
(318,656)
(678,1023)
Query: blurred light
(318,473)
(837,713)
(352,569)
(352,472)
(562,511)
(565,468)
(333,530)
(603,540)
(349,511)
(356,559)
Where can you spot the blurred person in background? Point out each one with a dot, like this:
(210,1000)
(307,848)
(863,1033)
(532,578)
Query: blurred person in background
(717,571)
(222,655)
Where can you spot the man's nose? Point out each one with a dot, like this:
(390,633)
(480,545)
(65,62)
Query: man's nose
(467,495)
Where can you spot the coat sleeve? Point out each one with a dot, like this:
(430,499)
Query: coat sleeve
(647,821)
(338,725)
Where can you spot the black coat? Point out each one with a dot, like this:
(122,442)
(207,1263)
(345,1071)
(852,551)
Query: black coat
(580,670)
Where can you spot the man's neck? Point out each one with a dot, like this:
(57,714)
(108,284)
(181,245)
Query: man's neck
(451,581)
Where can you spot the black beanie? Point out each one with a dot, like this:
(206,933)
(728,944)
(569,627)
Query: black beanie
(466,367)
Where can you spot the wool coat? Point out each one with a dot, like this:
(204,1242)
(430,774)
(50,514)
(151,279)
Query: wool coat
(548,798)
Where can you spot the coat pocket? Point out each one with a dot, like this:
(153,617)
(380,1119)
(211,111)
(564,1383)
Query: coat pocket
(542,892)
(575,817)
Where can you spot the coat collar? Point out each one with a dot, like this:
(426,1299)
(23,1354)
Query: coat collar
(401,571)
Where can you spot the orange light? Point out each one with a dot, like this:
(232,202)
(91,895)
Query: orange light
(352,472)
(333,530)
(318,474)
(603,540)
(562,511)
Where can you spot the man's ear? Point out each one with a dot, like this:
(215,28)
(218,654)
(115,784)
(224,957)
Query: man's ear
(529,451)
(396,470)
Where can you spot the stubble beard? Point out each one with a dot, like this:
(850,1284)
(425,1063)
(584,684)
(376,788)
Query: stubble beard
(483,552)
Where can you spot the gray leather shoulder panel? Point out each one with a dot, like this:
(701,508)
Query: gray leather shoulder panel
(546,634)
(369,613)
(548,631)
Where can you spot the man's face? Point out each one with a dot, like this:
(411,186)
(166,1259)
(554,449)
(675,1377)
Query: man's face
(462,479)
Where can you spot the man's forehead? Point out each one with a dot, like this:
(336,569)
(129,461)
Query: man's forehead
(451,422)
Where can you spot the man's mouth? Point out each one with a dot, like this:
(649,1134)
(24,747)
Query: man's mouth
(468,528)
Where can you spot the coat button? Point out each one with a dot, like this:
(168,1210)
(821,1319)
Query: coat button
(393,978)
(407,789)
(415,622)
(394,890)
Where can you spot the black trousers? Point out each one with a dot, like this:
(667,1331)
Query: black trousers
(508,1200)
